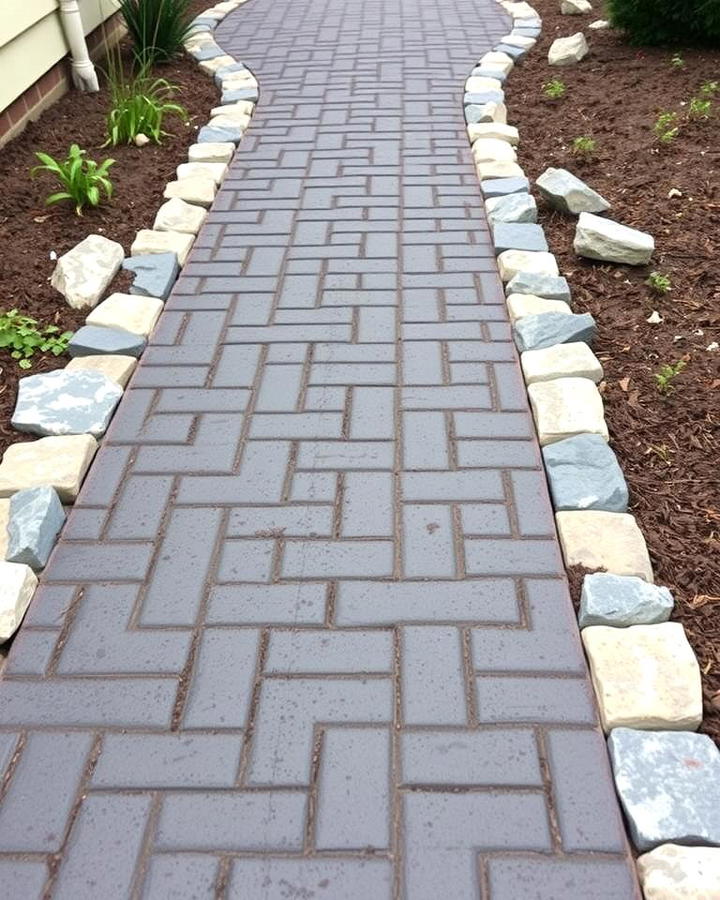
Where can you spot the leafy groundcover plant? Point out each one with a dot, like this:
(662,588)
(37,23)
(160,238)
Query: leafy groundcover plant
(21,335)
(157,28)
(83,180)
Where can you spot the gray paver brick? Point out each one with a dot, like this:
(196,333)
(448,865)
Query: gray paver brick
(446,486)
(275,604)
(425,441)
(351,879)
(337,559)
(23,879)
(303,652)
(534,699)
(367,509)
(433,684)
(428,543)
(567,879)
(246,560)
(181,876)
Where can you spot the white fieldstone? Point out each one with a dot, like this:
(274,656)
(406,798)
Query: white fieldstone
(573,360)
(600,238)
(147,241)
(212,152)
(210,66)
(603,540)
(198,189)
(569,50)
(497,61)
(234,81)
(216,171)
(82,274)
(600,25)
(518,40)
(565,407)
(498,168)
(493,149)
(131,312)
(17,586)
(4,517)
(575,7)
(57,461)
(568,193)
(511,262)
(489,112)
(116,367)
(495,130)
(223,121)
(520,305)
(478,84)
(645,676)
(673,872)
(178,215)
(521,10)
(241,110)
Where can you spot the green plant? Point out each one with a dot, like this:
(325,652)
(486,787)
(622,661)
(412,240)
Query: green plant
(667,374)
(139,105)
(157,28)
(699,108)
(677,62)
(83,180)
(21,333)
(660,283)
(709,88)
(666,128)
(584,146)
(554,89)
(666,22)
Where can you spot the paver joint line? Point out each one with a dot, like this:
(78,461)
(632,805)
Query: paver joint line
(308,623)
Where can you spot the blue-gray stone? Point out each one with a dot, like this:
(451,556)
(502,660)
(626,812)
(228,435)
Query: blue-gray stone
(476,113)
(92,339)
(518,236)
(63,402)
(485,72)
(207,51)
(548,329)
(622,600)
(155,273)
(514,208)
(209,134)
(235,95)
(36,517)
(526,30)
(473,98)
(584,473)
(228,70)
(669,786)
(566,192)
(515,53)
(496,187)
(553,287)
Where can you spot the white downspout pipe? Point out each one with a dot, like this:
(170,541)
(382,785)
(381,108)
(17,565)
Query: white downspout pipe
(83,71)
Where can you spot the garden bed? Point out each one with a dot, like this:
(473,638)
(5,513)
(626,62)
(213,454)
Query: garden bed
(668,444)
(30,232)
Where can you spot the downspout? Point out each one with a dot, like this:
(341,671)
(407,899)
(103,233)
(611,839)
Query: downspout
(83,71)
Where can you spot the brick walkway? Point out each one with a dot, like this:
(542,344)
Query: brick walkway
(307,632)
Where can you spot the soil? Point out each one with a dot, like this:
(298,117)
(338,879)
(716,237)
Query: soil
(668,444)
(30,232)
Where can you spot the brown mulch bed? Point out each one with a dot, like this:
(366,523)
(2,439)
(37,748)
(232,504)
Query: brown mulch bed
(30,231)
(668,445)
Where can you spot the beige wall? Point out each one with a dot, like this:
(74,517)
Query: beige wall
(32,40)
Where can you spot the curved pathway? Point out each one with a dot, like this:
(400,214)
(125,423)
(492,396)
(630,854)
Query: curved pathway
(307,633)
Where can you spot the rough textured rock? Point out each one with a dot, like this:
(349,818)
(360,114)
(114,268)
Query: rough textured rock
(495,130)
(584,473)
(221,152)
(479,85)
(491,111)
(552,286)
(575,7)
(518,236)
(179,215)
(513,261)
(603,540)
(117,368)
(235,95)
(672,872)
(148,241)
(36,517)
(645,676)
(82,274)
(521,305)
(598,238)
(600,25)
(17,586)
(568,51)
(511,208)
(622,600)
(484,72)
(211,66)
(129,312)
(220,134)
(57,461)
(550,328)
(199,190)
(565,407)
(573,360)
(669,786)
(496,59)
(214,170)
(498,168)
(566,192)
(62,402)
(498,187)
(155,274)
(4,517)
(514,52)
(92,339)
(493,150)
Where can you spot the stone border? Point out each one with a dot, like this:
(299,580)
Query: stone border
(646,677)
(37,478)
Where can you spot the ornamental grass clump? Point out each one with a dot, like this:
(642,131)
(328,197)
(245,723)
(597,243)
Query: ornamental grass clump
(157,28)
(139,105)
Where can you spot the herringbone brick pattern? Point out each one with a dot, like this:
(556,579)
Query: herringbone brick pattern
(307,633)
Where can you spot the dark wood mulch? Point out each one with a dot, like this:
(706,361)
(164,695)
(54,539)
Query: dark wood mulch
(668,445)
(30,231)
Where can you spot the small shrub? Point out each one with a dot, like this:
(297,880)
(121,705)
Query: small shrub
(660,283)
(699,108)
(584,147)
(139,105)
(667,21)
(677,62)
(666,128)
(157,28)
(83,180)
(667,374)
(22,335)
(554,89)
